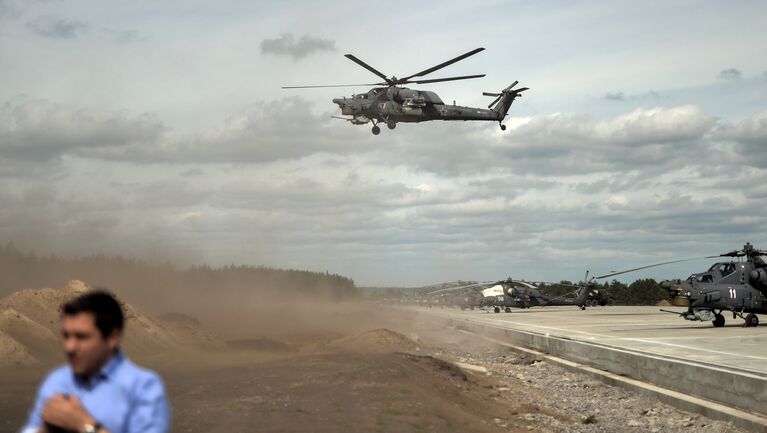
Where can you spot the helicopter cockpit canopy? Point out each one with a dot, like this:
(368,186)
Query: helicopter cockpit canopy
(724,269)
(701,278)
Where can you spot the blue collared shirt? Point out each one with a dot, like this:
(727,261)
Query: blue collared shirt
(123,397)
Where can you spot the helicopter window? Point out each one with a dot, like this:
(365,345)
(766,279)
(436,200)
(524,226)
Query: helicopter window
(705,279)
(726,268)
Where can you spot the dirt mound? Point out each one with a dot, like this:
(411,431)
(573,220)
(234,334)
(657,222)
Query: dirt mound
(37,340)
(188,329)
(663,303)
(29,323)
(14,353)
(377,341)
(260,344)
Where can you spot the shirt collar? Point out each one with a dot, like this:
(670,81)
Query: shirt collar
(106,371)
(109,369)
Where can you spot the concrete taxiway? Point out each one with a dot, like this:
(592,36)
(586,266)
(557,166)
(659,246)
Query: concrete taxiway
(643,329)
(718,372)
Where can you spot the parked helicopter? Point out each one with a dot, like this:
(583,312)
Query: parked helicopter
(738,287)
(391,103)
(511,293)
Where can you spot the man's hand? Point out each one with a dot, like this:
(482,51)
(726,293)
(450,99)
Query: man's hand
(66,412)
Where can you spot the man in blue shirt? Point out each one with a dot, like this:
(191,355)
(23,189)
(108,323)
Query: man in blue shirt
(100,391)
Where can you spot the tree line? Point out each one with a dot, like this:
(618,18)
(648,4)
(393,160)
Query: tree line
(19,270)
(644,291)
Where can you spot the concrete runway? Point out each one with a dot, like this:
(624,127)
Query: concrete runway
(641,329)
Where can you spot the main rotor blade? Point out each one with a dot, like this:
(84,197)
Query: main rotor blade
(368,67)
(652,266)
(437,80)
(335,85)
(451,289)
(442,65)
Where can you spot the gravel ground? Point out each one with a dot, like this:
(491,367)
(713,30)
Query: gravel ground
(575,402)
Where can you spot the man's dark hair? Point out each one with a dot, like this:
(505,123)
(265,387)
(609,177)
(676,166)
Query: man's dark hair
(103,306)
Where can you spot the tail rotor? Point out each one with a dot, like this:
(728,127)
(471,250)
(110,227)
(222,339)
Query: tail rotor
(503,101)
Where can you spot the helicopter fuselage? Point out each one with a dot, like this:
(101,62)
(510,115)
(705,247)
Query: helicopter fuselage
(519,294)
(392,105)
(738,287)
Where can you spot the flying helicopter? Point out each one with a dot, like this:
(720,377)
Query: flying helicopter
(735,286)
(390,103)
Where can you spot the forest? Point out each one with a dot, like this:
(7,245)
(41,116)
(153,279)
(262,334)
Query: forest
(20,269)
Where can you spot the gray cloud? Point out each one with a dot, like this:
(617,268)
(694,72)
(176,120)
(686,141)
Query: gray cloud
(9,10)
(126,36)
(269,131)
(52,27)
(287,45)
(730,74)
(565,144)
(34,129)
(620,96)
(287,129)
(750,136)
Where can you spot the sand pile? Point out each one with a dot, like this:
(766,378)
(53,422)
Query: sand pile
(29,328)
(377,341)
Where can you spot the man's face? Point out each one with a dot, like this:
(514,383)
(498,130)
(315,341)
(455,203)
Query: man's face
(87,350)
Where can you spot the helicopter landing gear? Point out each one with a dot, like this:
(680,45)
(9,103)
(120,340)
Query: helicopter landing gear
(507,309)
(718,320)
(503,127)
(376,130)
(496,310)
(751,321)
(391,124)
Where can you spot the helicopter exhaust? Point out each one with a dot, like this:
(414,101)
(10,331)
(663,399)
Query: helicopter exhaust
(758,277)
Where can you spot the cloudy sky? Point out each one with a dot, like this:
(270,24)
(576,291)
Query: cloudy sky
(159,130)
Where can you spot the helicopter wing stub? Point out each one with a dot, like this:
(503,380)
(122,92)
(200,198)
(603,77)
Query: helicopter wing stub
(438,80)
(442,65)
(369,68)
